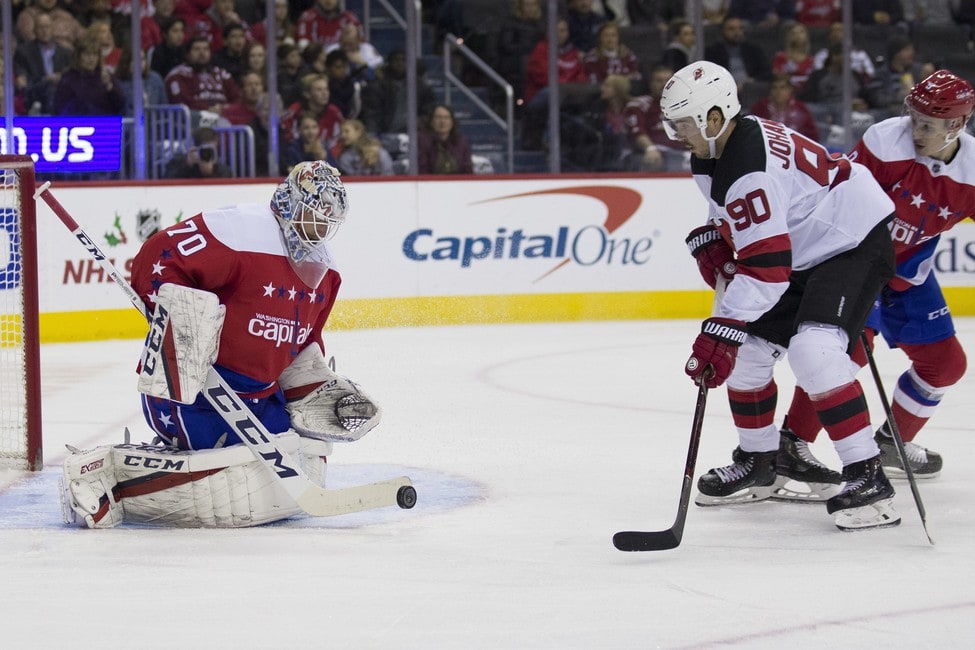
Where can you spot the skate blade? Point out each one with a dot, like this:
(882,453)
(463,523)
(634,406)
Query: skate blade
(898,473)
(748,495)
(879,514)
(796,491)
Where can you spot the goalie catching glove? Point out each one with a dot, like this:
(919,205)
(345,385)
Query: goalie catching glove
(323,404)
(182,344)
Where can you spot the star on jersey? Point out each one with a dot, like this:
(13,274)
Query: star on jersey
(165,419)
(292,294)
(157,269)
(917,200)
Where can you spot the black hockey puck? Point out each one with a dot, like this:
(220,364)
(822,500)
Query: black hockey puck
(406,497)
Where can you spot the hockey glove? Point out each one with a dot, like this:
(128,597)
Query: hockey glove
(715,348)
(713,254)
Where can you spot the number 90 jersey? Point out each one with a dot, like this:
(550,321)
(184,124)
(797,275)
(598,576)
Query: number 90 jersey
(784,203)
(238,254)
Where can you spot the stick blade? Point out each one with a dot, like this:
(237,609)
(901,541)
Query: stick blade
(632,540)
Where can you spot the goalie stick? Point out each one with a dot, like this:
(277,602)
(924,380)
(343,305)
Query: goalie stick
(896,435)
(310,497)
(662,540)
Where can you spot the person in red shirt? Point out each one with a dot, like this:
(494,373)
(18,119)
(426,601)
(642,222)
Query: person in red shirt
(323,23)
(198,84)
(610,56)
(781,106)
(571,70)
(316,101)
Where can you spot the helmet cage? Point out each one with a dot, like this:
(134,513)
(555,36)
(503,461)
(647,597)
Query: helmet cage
(310,205)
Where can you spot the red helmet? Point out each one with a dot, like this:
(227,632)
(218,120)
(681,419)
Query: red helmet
(942,95)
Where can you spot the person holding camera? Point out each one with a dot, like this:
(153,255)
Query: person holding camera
(201,160)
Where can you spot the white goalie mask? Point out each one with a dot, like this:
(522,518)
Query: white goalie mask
(310,205)
(691,93)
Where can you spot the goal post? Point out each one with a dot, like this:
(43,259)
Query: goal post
(20,377)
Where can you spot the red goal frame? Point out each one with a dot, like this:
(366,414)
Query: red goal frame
(23,166)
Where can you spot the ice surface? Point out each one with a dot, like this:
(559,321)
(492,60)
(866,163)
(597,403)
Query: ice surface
(530,445)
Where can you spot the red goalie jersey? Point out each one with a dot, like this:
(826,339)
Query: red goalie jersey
(238,254)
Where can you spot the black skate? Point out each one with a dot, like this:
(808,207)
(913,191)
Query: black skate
(749,478)
(867,499)
(800,475)
(924,462)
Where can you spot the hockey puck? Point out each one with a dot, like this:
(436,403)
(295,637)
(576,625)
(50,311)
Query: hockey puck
(406,497)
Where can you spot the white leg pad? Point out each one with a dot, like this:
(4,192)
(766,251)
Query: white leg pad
(817,354)
(87,489)
(210,488)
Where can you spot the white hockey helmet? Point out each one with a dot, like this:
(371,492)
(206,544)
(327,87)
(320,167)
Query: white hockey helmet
(310,205)
(693,91)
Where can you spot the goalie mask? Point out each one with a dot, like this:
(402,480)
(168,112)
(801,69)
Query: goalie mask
(310,205)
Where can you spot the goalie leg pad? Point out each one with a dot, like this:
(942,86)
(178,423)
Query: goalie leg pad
(88,489)
(210,488)
(182,343)
(323,404)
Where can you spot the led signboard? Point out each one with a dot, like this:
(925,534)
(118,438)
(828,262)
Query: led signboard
(66,144)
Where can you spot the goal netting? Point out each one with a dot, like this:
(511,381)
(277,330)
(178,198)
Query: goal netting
(20,413)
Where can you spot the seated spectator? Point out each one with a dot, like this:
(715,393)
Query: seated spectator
(517,36)
(795,59)
(610,56)
(20,108)
(762,13)
(653,149)
(614,95)
(253,110)
(153,89)
(860,62)
(170,52)
(315,100)
(677,54)
(878,12)
(713,12)
(384,108)
(781,106)
(38,65)
(441,147)
(86,88)
(654,12)
(287,31)
(92,11)
(745,60)
(230,57)
(212,21)
(364,59)
(245,110)
(313,58)
(346,92)
(198,83)
(308,145)
(584,24)
(570,70)
(823,91)
(819,13)
(366,158)
(65,28)
(323,22)
(290,71)
(351,132)
(255,59)
(894,80)
(100,30)
(201,161)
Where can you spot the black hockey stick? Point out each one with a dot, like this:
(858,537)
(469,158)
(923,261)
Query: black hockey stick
(310,497)
(896,435)
(632,540)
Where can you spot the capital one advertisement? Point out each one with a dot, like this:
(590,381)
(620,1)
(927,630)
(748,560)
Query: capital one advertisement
(405,239)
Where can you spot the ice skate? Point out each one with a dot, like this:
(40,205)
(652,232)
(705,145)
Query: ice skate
(867,498)
(800,475)
(749,478)
(924,462)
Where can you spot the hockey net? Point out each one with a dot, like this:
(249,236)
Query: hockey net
(20,412)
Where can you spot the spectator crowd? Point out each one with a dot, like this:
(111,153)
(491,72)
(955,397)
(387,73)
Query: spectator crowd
(340,99)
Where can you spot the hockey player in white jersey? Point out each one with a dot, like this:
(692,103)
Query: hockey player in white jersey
(813,250)
(925,161)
